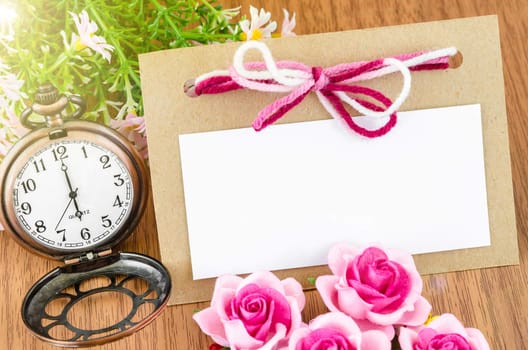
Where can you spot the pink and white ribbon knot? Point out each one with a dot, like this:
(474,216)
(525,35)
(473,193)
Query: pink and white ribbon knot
(334,86)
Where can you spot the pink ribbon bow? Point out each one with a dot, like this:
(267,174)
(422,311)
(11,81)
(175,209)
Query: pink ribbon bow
(334,86)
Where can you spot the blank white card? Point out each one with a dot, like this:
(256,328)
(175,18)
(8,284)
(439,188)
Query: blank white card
(282,197)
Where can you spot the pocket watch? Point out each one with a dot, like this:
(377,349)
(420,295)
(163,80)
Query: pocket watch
(71,190)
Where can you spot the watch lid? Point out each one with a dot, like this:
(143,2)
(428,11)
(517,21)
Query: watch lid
(49,307)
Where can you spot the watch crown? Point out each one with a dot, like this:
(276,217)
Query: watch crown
(49,103)
(47,94)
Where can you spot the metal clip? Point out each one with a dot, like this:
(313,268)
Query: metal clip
(50,104)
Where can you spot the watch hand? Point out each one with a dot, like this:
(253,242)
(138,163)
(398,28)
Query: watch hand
(73,194)
(66,209)
(78,213)
(64,168)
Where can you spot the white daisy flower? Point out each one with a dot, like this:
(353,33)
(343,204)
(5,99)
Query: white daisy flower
(228,14)
(87,37)
(10,88)
(3,67)
(11,129)
(287,24)
(255,29)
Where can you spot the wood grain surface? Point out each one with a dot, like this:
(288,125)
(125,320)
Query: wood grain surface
(494,300)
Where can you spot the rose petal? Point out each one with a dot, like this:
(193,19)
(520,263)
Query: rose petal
(239,301)
(365,291)
(326,286)
(385,319)
(382,276)
(225,282)
(336,257)
(416,286)
(264,328)
(253,309)
(448,341)
(406,261)
(380,303)
(407,338)
(296,336)
(366,325)
(294,289)
(448,323)
(349,302)
(477,340)
(263,279)
(335,320)
(282,313)
(210,324)
(296,317)
(401,257)
(223,298)
(418,316)
(370,256)
(375,340)
(425,335)
(401,285)
(280,333)
(327,338)
(239,337)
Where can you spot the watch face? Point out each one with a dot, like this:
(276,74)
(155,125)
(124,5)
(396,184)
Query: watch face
(72,194)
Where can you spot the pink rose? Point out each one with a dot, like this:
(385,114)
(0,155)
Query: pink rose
(336,331)
(444,332)
(258,312)
(378,286)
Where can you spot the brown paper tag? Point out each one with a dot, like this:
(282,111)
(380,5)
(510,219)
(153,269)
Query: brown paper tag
(479,79)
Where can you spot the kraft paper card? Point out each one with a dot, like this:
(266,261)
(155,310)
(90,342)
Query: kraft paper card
(459,168)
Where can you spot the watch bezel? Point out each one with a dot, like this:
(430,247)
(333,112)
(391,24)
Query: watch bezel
(101,135)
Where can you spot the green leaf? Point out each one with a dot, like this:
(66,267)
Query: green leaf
(43,48)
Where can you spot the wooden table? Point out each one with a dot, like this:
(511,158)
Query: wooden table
(494,300)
